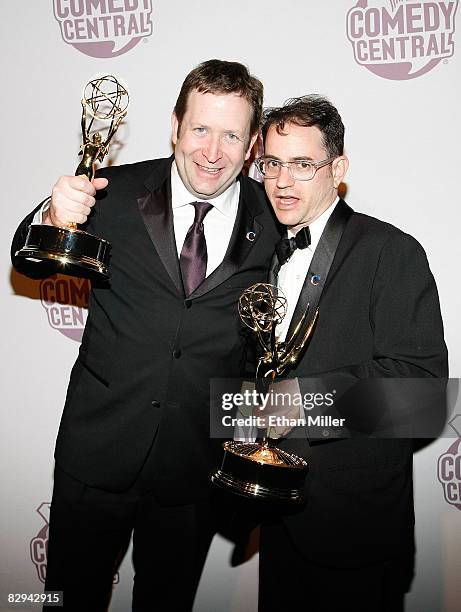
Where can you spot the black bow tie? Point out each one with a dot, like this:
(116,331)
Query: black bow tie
(287,246)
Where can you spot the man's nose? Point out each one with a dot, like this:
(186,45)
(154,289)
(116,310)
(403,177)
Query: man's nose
(212,150)
(284,179)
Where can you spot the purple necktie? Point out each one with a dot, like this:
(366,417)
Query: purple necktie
(194,255)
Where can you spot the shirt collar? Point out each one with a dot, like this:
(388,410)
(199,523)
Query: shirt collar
(226,203)
(316,227)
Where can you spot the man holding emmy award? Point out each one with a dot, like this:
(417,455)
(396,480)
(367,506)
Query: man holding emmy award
(133,454)
(351,544)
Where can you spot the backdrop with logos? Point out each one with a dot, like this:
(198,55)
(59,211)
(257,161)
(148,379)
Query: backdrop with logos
(392,68)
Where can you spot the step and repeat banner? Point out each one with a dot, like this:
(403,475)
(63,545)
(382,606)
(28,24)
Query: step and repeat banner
(392,67)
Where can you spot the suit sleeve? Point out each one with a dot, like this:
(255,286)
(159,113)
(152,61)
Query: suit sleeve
(32,269)
(404,316)
(387,393)
(43,269)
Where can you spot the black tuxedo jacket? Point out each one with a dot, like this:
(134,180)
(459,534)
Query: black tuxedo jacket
(379,317)
(141,380)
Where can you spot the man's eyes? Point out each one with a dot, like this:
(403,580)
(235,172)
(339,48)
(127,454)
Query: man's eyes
(302,164)
(229,137)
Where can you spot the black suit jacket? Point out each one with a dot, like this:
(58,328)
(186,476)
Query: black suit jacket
(141,379)
(379,317)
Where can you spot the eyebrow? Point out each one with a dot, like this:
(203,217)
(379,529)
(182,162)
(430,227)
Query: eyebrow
(298,158)
(226,131)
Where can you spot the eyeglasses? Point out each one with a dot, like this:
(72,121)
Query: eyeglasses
(300,170)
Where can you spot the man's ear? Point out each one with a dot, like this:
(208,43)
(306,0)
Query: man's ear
(338,169)
(250,146)
(174,128)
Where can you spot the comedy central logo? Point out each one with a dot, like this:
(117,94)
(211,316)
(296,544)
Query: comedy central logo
(39,544)
(449,468)
(65,300)
(103,28)
(401,39)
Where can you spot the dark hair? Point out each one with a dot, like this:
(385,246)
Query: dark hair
(308,111)
(221,77)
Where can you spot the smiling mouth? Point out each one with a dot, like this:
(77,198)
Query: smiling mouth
(208,170)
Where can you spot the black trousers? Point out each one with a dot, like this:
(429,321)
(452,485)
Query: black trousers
(89,533)
(287,581)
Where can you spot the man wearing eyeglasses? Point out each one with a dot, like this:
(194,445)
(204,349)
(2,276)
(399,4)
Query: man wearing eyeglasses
(351,545)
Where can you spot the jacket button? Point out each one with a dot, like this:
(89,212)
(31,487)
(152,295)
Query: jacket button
(155,404)
(188,303)
(177,354)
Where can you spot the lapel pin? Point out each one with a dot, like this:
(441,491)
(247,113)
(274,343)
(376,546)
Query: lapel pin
(250,236)
(315,280)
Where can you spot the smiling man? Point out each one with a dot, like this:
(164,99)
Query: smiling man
(351,545)
(212,140)
(133,453)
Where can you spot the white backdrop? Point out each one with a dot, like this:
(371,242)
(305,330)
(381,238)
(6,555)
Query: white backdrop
(402,137)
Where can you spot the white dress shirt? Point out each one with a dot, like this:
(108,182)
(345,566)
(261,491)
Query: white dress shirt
(293,273)
(218,223)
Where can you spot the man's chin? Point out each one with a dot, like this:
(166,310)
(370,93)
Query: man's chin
(207,191)
(287,219)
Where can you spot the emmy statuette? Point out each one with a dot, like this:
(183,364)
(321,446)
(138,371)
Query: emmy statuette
(80,253)
(260,470)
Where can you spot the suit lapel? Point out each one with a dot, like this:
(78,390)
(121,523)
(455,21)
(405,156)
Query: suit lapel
(273,270)
(320,266)
(157,214)
(245,235)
